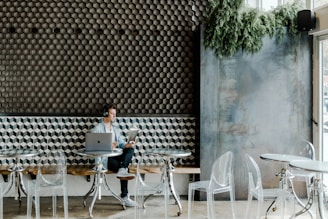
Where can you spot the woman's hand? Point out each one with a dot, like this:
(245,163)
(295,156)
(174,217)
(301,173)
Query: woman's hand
(130,144)
(115,144)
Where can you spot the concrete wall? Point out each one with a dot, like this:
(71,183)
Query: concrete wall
(255,104)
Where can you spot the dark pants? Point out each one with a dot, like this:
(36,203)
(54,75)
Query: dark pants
(114,163)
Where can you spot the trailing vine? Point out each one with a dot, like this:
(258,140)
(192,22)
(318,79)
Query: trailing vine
(231,27)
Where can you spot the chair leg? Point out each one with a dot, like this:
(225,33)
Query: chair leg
(65,197)
(308,189)
(232,200)
(191,194)
(139,200)
(166,198)
(259,208)
(210,203)
(249,200)
(54,203)
(37,204)
(29,201)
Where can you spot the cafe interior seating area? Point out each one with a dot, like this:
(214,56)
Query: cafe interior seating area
(228,99)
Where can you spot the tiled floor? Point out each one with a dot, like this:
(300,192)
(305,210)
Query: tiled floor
(108,207)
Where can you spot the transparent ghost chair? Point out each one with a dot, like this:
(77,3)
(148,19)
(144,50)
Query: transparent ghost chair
(51,176)
(148,185)
(280,197)
(221,181)
(302,175)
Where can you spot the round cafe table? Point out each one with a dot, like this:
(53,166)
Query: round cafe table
(286,159)
(317,191)
(168,168)
(100,177)
(16,170)
(284,173)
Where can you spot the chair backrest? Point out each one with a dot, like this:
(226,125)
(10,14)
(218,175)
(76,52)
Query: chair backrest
(222,170)
(145,165)
(254,175)
(308,150)
(52,168)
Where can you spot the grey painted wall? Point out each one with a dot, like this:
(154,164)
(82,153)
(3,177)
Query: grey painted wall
(256,104)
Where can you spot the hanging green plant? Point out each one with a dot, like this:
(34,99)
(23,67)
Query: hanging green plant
(252,31)
(230,27)
(222,26)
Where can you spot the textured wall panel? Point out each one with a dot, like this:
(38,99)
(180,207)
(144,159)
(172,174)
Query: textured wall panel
(52,133)
(263,104)
(67,57)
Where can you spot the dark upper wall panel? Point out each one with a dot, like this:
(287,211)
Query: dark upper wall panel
(69,57)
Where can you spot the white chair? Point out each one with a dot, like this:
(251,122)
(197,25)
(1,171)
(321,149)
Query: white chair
(221,181)
(256,190)
(155,185)
(51,176)
(301,175)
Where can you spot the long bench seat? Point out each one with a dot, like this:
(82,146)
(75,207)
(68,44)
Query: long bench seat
(86,170)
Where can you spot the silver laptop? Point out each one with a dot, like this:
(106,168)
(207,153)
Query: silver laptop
(98,142)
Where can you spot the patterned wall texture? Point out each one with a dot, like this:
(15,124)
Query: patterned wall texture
(67,57)
(53,133)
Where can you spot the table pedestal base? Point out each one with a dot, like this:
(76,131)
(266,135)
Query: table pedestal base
(167,174)
(16,179)
(99,181)
(317,194)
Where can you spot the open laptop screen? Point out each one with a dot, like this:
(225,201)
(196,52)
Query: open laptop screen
(98,142)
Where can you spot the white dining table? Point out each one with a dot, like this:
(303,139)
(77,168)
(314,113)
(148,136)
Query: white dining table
(317,192)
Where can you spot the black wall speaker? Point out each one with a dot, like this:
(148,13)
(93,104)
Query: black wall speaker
(305,20)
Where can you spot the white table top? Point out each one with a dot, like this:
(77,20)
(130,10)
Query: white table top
(177,153)
(115,152)
(15,153)
(310,165)
(286,158)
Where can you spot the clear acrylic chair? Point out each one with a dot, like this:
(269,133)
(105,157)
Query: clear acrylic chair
(221,181)
(302,175)
(256,190)
(154,185)
(51,176)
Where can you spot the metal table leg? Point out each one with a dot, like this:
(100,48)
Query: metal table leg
(316,194)
(99,181)
(114,194)
(160,190)
(92,189)
(97,185)
(169,172)
(10,183)
(16,178)
(300,202)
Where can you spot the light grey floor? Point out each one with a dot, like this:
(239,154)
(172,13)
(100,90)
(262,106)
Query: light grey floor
(108,207)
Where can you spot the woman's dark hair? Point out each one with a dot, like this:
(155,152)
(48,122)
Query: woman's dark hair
(107,107)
